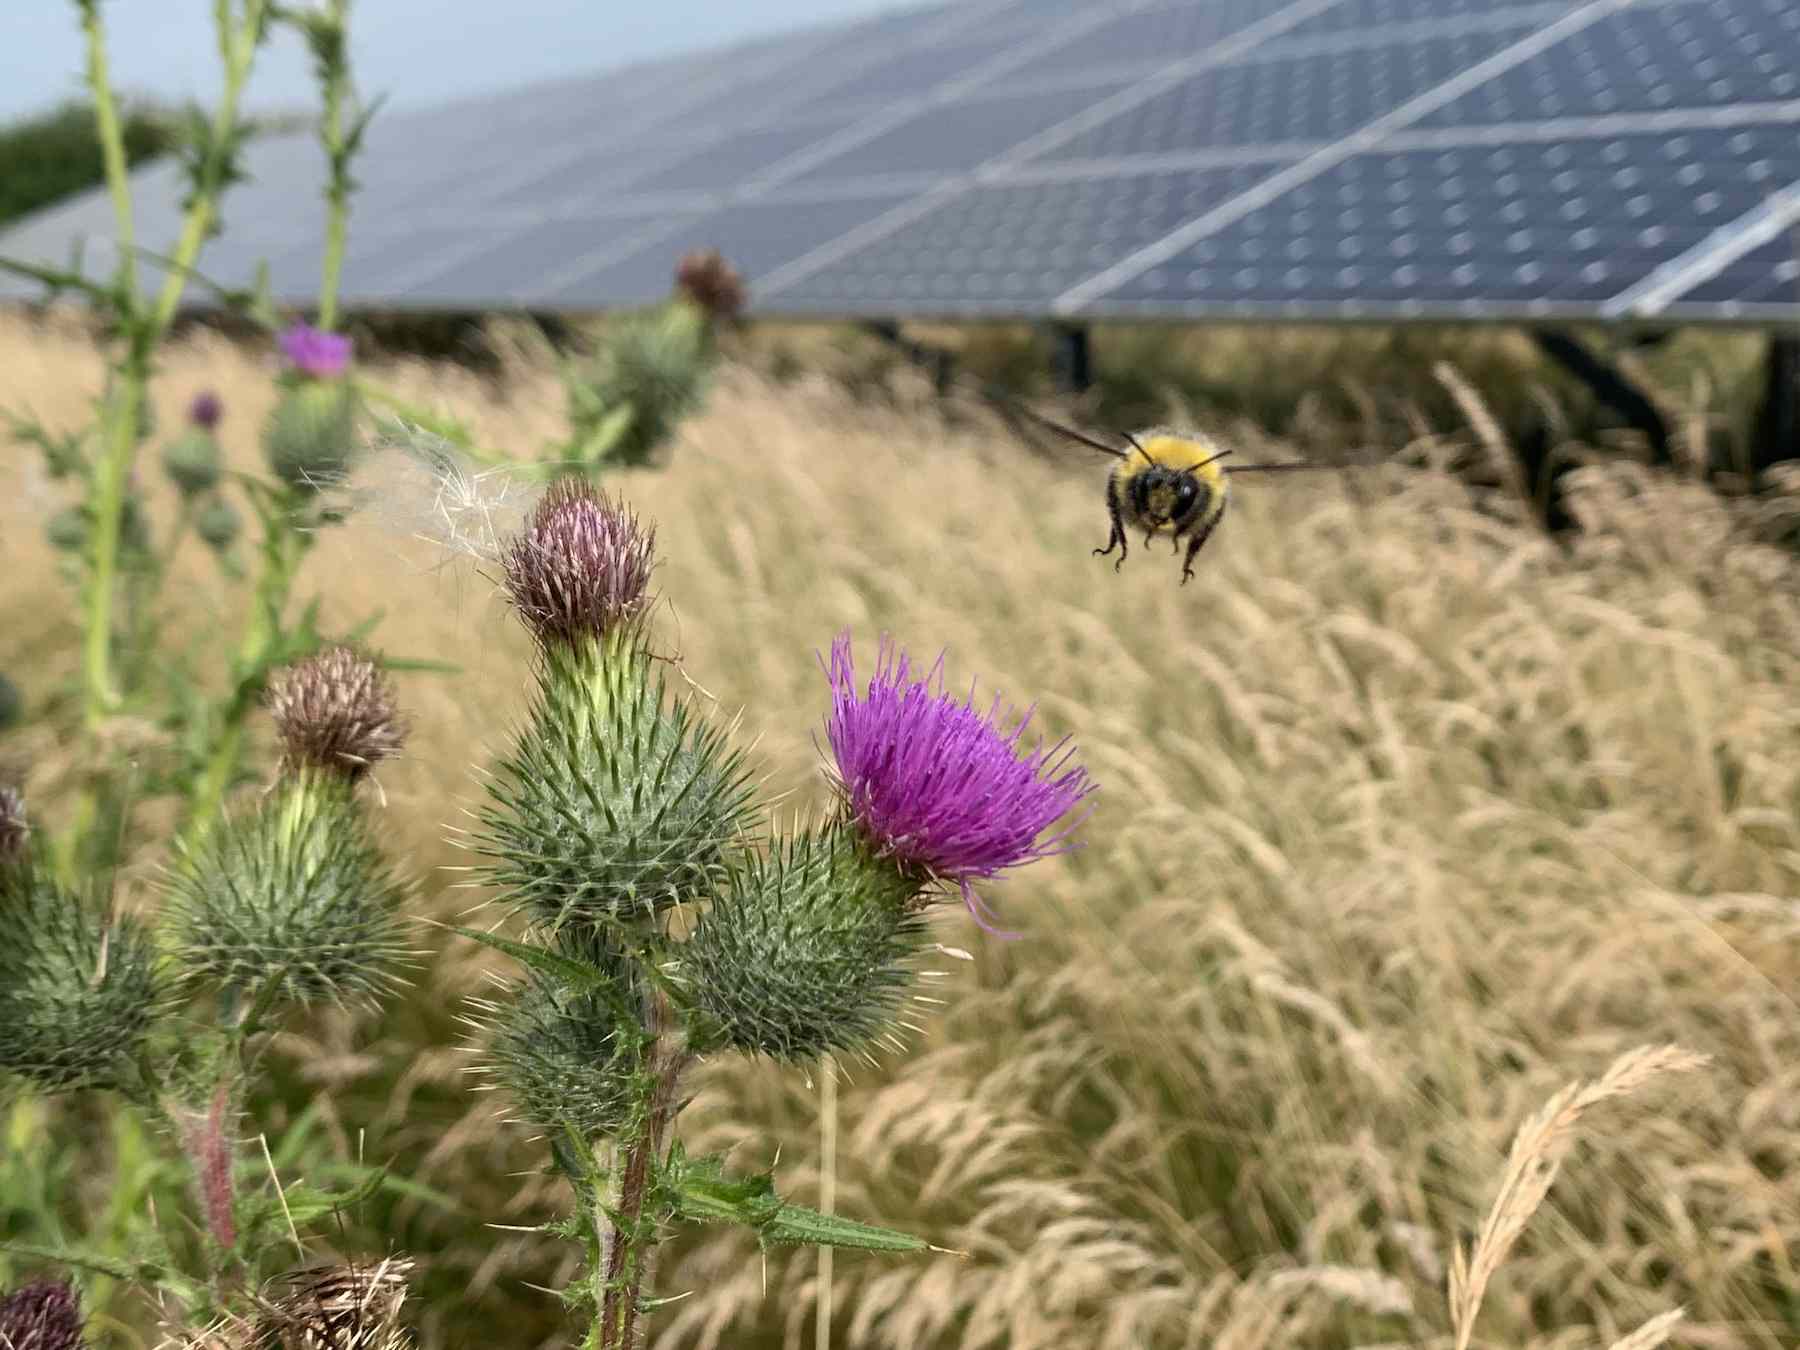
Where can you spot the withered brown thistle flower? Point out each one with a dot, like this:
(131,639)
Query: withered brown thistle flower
(581,566)
(710,282)
(335,711)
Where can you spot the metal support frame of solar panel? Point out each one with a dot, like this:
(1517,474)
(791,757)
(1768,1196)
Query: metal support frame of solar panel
(815,163)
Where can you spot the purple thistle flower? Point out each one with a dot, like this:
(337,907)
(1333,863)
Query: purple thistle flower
(205,410)
(42,1315)
(316,353)
(937,785)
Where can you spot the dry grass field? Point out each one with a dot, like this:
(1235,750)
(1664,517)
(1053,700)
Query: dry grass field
(1408,819)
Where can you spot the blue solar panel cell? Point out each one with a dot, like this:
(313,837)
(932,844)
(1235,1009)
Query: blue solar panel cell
(1571,221)
(954,137)
(1013,249)
(1317,97)
(1361,16)
(1769,275)
(729,162)
(1152,36)
(916,71)
(517,259)
(761,238)
(1700,54)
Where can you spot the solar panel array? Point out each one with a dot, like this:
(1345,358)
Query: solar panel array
(1028,158)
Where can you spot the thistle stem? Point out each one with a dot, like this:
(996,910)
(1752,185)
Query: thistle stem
(337,193)
(630,1241)
(239,47)
(112,141)
(281,552)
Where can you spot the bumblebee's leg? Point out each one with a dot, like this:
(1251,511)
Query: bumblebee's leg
(1118,527)
(1194,546)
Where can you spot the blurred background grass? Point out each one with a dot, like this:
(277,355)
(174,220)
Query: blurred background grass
(1408,816)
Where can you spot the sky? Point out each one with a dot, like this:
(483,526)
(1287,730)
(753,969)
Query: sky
(417,51)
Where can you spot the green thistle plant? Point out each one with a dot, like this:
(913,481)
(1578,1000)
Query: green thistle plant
(614,809)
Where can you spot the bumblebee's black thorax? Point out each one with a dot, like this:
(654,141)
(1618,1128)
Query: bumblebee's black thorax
(1157,495)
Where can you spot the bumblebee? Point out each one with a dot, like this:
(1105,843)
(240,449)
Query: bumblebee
(1168,482)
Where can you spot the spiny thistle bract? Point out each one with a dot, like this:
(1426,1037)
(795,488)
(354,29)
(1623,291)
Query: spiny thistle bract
(309,439)
(805,951)
(217,524)
(568,1056)
(937,787)
(297,893)
(42,1315)
(78,988)
(614,801)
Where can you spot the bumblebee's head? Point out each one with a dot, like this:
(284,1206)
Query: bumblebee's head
(1167,498)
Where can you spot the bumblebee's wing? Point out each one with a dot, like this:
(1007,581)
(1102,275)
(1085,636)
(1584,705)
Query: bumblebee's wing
(1010,408)
(1276,468)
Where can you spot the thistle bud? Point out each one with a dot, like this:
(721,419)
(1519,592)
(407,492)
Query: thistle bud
(309,439)
(335,711)
(78,990)
(652,366)
(42,1315)
(567,1055)
(615,801)
(581,567)
(710,282)
(217,524)
(806,950)
(205,411)
(297,893)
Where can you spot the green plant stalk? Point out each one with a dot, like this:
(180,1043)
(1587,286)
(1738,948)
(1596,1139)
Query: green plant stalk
(282,551)
(114,469)
(239,47)
(629,1239)
(112,143)
(337,193)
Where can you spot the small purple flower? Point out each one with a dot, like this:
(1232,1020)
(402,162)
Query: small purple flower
(315,353)
(937,785)
(204,411)
(43,1315)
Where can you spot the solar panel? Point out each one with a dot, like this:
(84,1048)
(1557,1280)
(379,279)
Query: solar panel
(1132,158)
